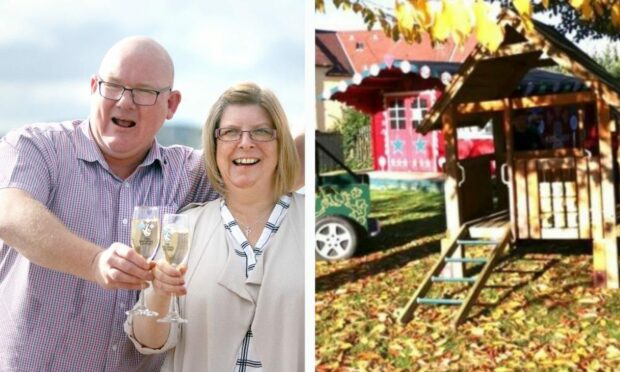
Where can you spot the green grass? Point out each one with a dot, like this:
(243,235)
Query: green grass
(538,312)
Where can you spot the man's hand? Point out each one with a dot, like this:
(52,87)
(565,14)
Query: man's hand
(120,267)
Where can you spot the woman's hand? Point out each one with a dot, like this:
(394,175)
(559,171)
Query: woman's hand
(169,280)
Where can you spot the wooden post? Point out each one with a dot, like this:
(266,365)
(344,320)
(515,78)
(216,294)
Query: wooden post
(520,187)
(508,133)
(533,198)
(499,143)
(451,192)
(606,248)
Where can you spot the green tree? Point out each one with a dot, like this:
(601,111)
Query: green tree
(610,60)
(355,129)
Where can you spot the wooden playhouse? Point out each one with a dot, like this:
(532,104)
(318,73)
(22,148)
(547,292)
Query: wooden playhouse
(555,151)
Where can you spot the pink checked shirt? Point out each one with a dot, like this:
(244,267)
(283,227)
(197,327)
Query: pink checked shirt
(50,321)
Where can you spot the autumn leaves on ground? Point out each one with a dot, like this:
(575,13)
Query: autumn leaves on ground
(537,311)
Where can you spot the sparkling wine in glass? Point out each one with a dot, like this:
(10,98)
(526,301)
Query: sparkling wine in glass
(144,240)
(175,246)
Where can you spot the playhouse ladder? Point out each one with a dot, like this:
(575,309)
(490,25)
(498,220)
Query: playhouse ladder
(462,239)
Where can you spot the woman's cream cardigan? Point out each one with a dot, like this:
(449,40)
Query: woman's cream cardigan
(219,306)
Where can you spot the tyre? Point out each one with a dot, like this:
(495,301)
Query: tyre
(335,238)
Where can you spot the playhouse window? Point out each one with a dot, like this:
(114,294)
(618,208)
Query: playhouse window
(397,114)
(419,108)
(546,128)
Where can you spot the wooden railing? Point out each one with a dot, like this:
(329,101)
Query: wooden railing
(557,197)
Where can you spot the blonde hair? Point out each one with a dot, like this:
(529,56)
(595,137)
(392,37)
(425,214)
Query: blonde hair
(252,94)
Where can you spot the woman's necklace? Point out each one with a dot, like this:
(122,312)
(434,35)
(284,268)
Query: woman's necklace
(248,228)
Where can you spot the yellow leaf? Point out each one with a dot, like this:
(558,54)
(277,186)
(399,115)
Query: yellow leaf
(589,300)
(545,4)
(415,353)
(594,365)
(524,7)
(540,354)
(477,332)
(589,315)
(459,16)
(576,3)
(560,336)
(379,328)
(404,15)
(613,353)
(440,30)
(599,8)
(382,317)
(615,15)
(441,342)
(581,351)
(586,10)
(422,13)
(319,6)
(488,32)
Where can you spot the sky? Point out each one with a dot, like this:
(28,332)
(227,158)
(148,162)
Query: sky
(50,49)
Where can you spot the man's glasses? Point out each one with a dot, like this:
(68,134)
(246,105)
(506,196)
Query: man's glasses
(141,97)
(234,134)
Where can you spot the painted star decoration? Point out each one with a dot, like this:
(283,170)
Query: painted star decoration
(398,144)
(420,145)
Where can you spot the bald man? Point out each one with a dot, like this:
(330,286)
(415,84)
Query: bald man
(67,193)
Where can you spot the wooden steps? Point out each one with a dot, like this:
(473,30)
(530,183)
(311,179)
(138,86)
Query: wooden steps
(495,248)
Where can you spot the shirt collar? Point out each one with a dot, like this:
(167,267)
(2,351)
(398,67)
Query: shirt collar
(87,149)
(85,146)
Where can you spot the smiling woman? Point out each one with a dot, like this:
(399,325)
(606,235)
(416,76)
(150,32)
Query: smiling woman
(254,109)
(246,162)
(244,244)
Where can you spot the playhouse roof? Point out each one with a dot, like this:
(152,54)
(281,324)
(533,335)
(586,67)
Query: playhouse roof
(366,89)
(486,76)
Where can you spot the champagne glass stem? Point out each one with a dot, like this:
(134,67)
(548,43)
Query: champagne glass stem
(175,306)
(142,297)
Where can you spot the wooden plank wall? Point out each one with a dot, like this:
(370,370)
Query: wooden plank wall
(555,200)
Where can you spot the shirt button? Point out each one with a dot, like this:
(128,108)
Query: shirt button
(127,184)
(124,221)
(114,347)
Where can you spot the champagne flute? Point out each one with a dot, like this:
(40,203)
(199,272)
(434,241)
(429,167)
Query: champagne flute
(144,240)
(175,245)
